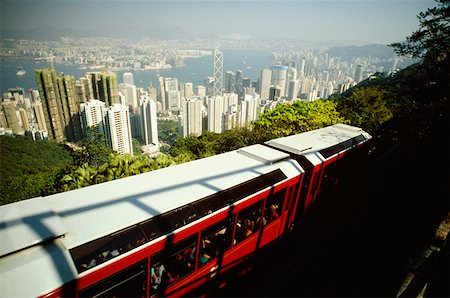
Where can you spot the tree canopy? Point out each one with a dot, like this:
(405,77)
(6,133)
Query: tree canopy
(298,117)
(432,39)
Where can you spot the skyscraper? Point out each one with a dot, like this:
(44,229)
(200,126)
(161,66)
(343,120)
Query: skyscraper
(128,78)
(218,72)
(149,129)
(229,81)
(358,74)
(266,77)
(119,128)
(279,75)
(172,94)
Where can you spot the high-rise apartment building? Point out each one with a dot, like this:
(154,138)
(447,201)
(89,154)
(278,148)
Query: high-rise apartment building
(218,72)
(119,128)
(60,105)
(188,90)
(215,109)
(9,110)
(247,112)
(39,115)
(149,129)
(108,88)
(93,115)
(192,117)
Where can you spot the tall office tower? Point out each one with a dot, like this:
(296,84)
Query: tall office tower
(131,95)
(291,75)
(201,90)
(172,94)
(302,67)
(162,94)
(9,110)
(229,81)
(149,129)
(218,72)
(238,84)
(358,74)
(209,84)
(248,110)
(119,128)
(188,90)
(293,90)
(192,117)
(152,92)
(93,115)
(48,89)
(306,85)
(108,88)
(215,108)
(279,74)
(70,107)
(266,78)
(128,78)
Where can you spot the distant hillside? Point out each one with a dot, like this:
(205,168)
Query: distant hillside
(126,32)
(375,50)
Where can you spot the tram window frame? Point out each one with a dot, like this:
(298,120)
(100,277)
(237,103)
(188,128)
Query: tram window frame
(96,252)
(214,240)
(250,213)
(170,259)
(119,279)
(277,199)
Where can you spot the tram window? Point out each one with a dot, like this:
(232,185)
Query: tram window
(274,206)
(167,222)
(213,203)
(214,240)
(103,249)
(130,282)
(249,221)
(173,264)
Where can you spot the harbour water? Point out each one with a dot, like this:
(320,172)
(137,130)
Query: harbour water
(250,62)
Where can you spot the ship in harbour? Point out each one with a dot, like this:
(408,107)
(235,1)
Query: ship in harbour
(20,71)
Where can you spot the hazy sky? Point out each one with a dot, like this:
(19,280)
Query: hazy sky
(353,22)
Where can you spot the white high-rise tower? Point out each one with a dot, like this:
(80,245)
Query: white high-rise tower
(119,128)
(149,129)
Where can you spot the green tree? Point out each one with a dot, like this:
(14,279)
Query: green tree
(298,117)
(92,150)
(432,39)
(366,107)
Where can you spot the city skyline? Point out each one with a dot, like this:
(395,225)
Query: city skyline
(326,22)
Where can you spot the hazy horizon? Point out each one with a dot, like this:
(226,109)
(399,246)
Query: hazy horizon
(341,22)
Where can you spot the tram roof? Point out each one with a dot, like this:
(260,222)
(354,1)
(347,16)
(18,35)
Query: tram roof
(311,143)
(91,212)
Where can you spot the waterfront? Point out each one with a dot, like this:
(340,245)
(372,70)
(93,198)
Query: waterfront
(251,62)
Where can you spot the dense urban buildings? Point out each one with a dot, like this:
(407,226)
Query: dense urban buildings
(64,107)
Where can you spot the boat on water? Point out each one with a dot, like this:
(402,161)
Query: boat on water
(20,71)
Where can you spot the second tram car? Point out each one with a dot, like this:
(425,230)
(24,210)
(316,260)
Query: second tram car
(169,231)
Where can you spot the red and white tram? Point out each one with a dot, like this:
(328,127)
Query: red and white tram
(170,231)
